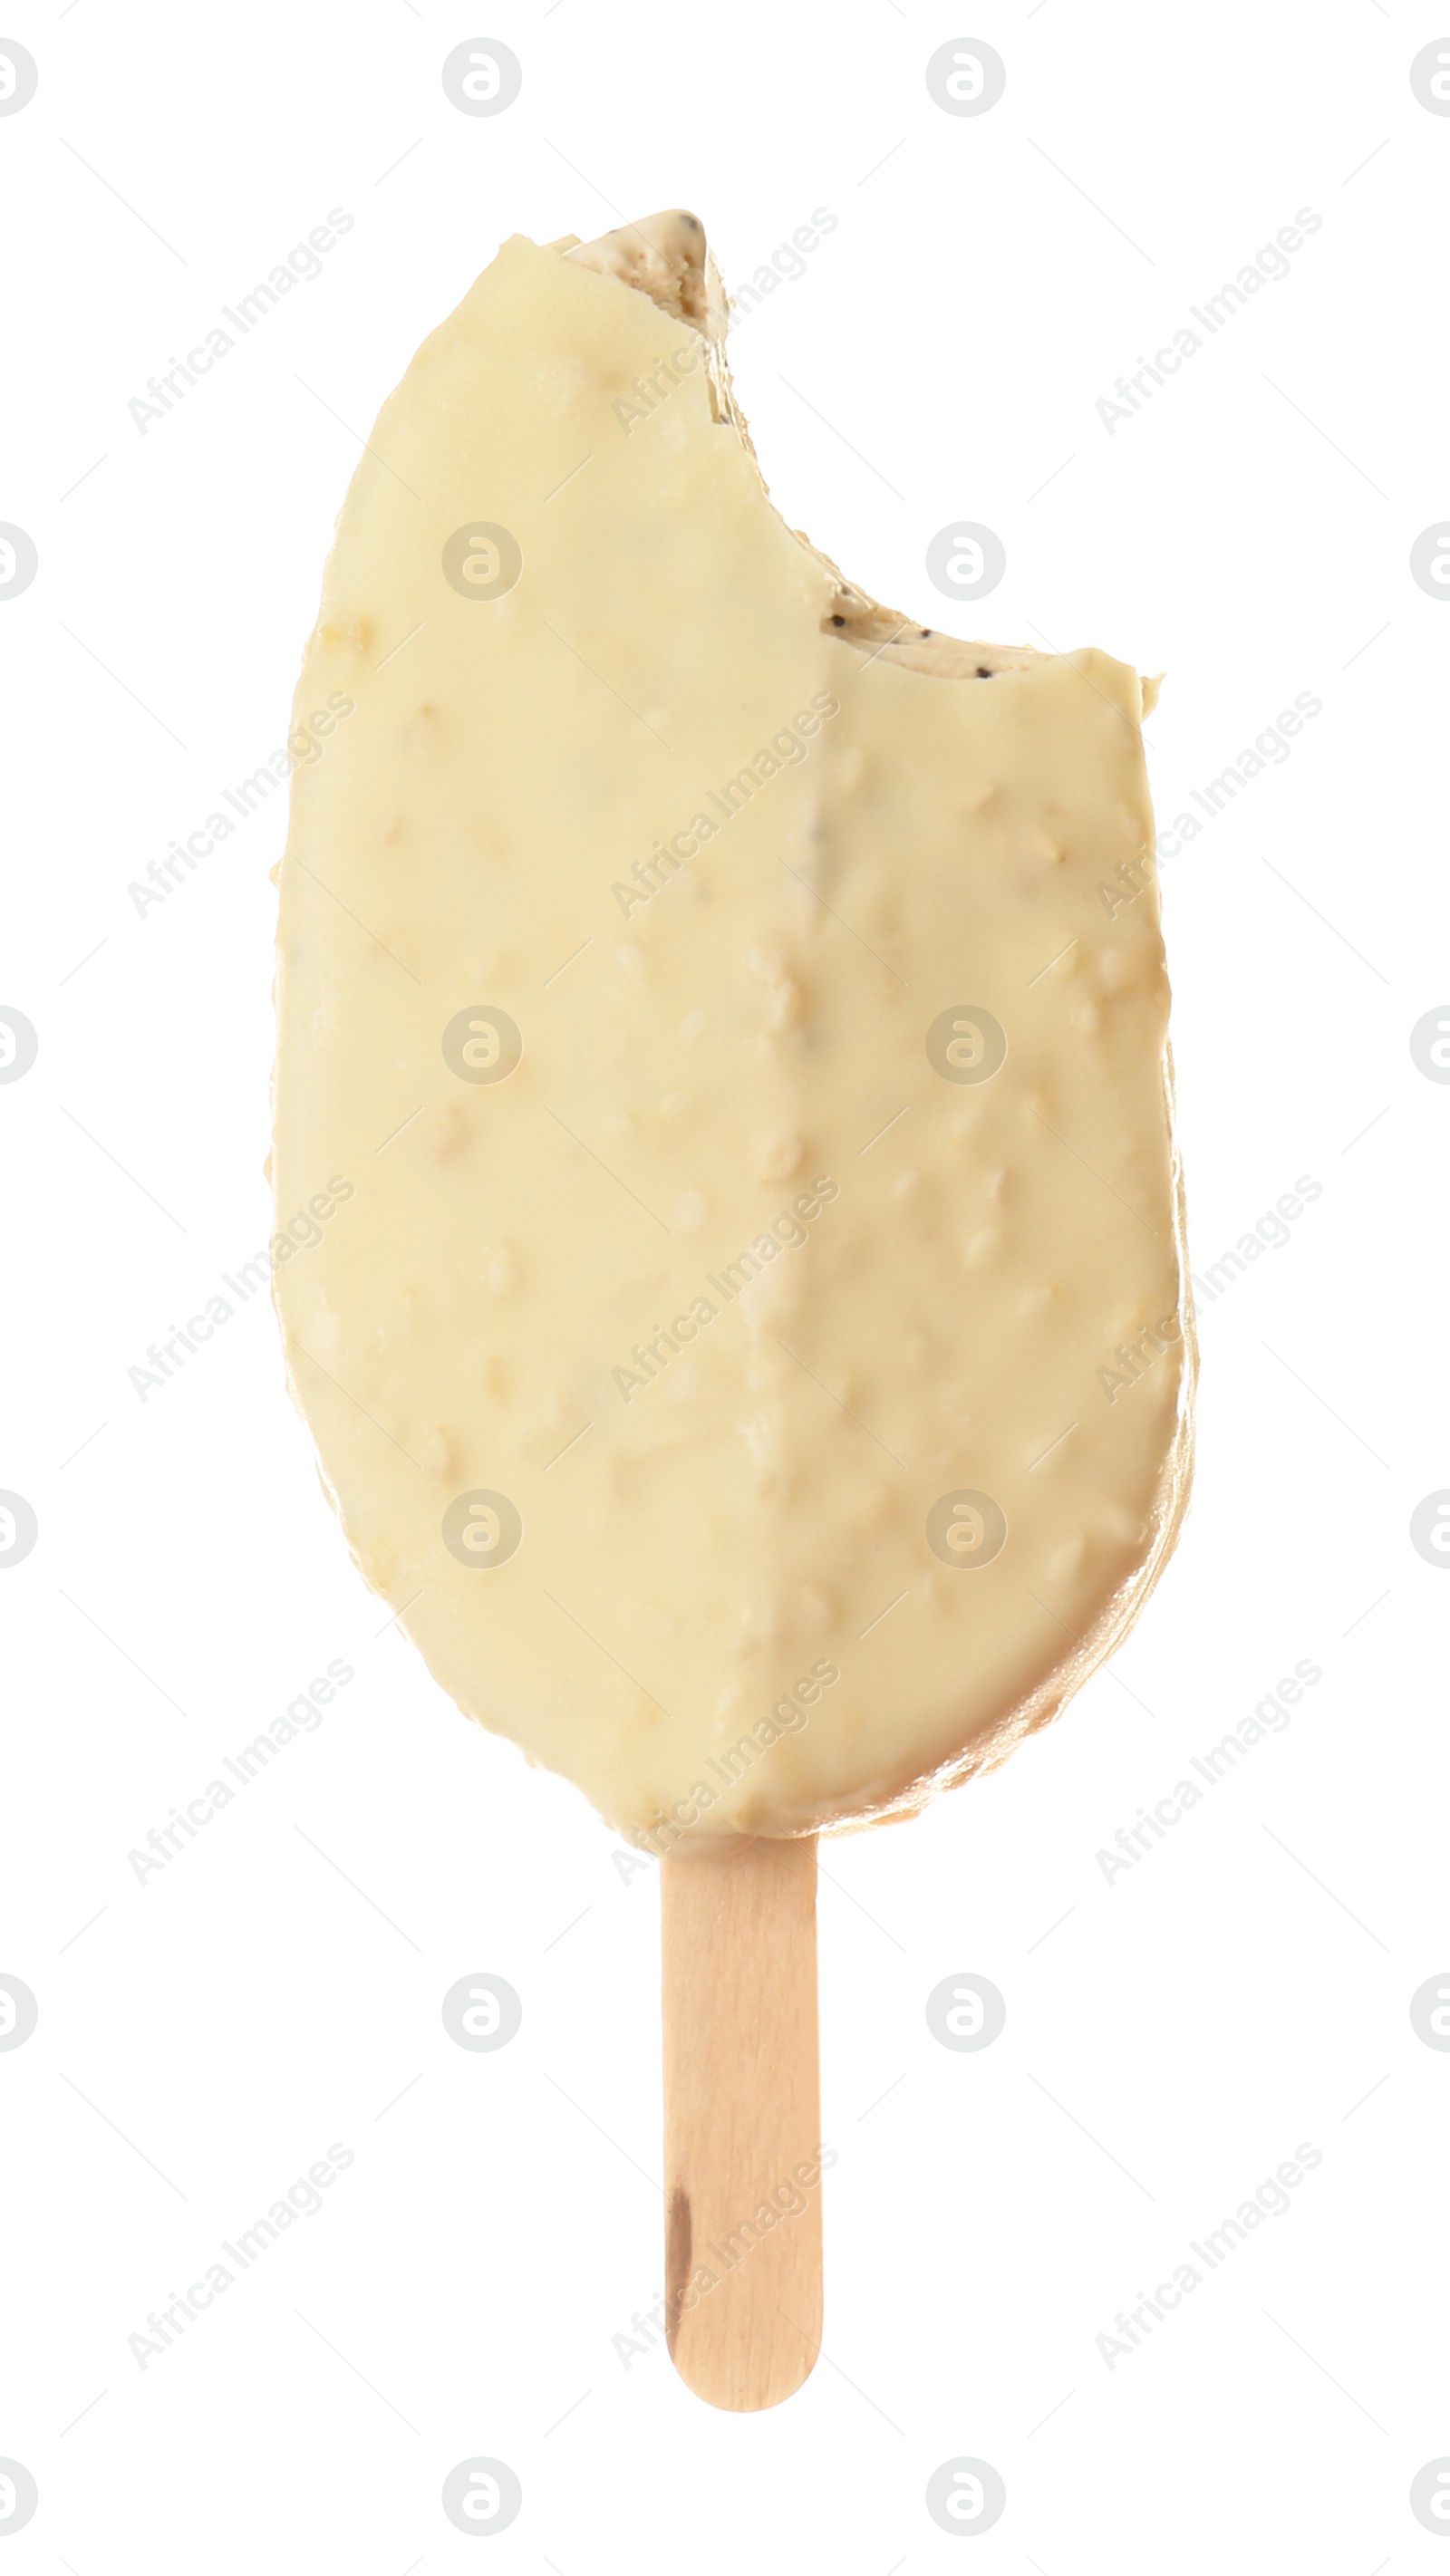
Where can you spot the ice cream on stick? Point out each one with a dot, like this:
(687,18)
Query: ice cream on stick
(753,1357)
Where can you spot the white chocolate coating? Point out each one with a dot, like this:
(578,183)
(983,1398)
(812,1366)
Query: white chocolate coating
(728,1281)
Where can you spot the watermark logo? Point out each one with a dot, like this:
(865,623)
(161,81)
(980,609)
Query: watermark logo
(966,560)
(1430,553)
(482,1529)
(19,562)
(19,2494)
(482,1044)
(966,2011)
(1430,81)
(1429,1045)
(19,2012)
(482,78)
(966,1044)
(1430,2486)
(1429,1529)
(1430,2011)
(19,1045)
(19,1529)
(482,560)
(482,2012)
(966,1530)
(18,77)
(481,2497)
(966,2497)
(966,77)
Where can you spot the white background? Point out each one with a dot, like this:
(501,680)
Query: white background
(1170,2037)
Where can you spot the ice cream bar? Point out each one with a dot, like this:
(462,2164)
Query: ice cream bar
(748,1341)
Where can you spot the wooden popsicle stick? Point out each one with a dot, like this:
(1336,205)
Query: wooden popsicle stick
(742,2115)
